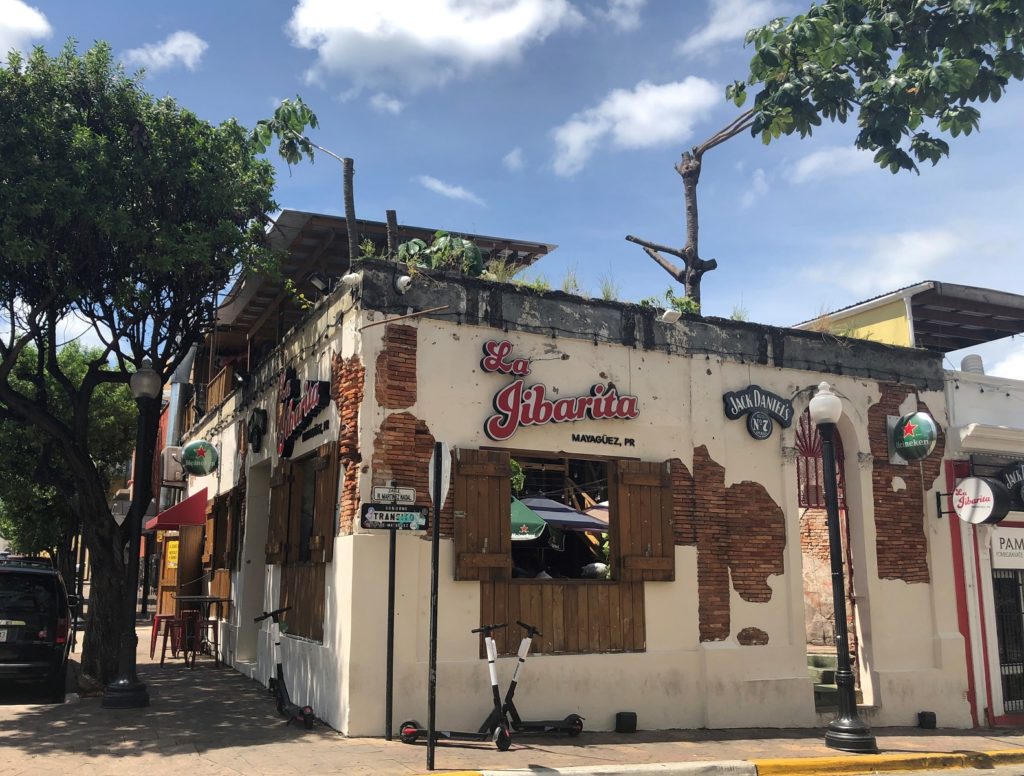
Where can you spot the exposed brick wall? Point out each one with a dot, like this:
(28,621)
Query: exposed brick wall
(900,545)
(347,389)
(396,368)
(401,452)
(752,637)
(737,529)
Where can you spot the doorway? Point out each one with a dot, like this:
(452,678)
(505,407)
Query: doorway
(251,567)
(1008,592)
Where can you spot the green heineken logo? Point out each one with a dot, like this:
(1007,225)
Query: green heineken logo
(914,436)
(199,457)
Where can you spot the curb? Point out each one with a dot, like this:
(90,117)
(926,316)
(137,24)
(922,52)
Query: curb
(705,768)
(833,766)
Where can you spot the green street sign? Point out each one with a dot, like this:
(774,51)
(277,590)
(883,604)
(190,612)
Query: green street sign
(914,436)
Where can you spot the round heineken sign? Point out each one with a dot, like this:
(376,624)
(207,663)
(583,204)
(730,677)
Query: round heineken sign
(915,435)
(199,457)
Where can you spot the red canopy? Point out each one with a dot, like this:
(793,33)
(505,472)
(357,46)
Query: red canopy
(191,511)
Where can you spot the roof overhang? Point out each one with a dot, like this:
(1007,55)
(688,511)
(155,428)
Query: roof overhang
(984,438)
(191,511)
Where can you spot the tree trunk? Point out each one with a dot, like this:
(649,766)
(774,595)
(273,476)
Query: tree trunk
(689,169)
(350,210)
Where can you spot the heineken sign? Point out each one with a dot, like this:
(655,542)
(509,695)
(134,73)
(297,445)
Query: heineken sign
(199,457)
(760,407)
(914,436)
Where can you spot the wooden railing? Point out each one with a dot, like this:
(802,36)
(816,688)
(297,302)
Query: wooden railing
(220,386)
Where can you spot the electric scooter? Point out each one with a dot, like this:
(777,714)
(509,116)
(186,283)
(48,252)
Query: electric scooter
(571,725)
(292,711)
(494,728)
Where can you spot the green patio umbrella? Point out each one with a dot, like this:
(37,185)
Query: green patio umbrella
(526,524)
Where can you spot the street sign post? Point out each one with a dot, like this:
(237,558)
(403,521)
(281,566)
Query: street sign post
(440,451)
(393,516)
(440,479)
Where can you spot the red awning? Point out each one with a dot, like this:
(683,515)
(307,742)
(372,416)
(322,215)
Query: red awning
(191,511)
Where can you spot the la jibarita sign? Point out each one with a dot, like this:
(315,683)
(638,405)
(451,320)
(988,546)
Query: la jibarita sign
(299,404)
(760,407)
(517,404)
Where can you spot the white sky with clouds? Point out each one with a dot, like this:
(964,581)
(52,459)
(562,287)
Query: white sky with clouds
(560,121)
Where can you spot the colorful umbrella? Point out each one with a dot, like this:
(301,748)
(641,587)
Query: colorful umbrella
(561,516)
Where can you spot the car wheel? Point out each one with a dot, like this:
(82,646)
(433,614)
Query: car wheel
(55,688)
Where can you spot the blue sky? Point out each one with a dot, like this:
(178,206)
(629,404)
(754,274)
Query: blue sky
(560,121)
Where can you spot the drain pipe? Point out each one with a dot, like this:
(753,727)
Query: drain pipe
(175,405)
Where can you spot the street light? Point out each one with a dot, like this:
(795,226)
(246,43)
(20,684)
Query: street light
(126,691)
(847,731)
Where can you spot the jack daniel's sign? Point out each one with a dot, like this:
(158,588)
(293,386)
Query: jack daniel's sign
(760,407)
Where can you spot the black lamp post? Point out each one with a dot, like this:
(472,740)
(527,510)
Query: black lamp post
(126,691)
(847,731)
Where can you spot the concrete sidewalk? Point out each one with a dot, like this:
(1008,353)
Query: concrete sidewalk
(214,721)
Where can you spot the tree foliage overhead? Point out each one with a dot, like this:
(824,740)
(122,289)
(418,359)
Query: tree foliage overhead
(903,68)
(908,71)
(128,213)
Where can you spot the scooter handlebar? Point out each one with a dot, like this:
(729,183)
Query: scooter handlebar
(530,630)
(486,629)
(275,614)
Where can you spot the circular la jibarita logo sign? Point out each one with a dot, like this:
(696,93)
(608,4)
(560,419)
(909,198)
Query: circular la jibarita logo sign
(915,435)
(199,457)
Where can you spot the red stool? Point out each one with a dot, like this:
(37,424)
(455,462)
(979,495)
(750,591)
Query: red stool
(158,619)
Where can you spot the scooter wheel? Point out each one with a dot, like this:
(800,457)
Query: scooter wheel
(502,739)
(408,731)
(280,706)
(307,717)
(575,725)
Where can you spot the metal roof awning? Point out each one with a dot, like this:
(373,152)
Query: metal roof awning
(191,511)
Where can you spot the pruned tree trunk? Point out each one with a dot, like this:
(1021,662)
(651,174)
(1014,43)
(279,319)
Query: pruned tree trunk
(350,209)
(689,167)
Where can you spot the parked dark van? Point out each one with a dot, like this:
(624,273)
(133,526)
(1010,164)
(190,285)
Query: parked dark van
(35,619)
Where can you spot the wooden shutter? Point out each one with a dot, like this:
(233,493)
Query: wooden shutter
(210,532)
(277,527)
(643,547)
(483,502)
(325,508)
(233,514)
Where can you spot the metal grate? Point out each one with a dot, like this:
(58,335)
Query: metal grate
(809,469)
(1007,585)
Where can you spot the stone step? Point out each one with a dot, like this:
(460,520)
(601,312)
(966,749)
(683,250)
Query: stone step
(822,660)
(822,675)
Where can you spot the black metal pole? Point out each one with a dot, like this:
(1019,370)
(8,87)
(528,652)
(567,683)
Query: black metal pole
(435,541)
(126,691)
(390,687)
(847,732)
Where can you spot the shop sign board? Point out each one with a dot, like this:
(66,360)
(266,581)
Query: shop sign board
(1007,548)
(393,516)
(979,500)
(1013,479)
(517,404)
(256,428)
(760,407)
(388,494)
(199,457)
(914,436)
(300,403)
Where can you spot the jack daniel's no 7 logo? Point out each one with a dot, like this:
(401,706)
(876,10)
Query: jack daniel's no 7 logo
(518,405)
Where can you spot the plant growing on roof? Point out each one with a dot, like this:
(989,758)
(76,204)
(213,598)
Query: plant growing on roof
(446,251)
(903,69)
(672,301)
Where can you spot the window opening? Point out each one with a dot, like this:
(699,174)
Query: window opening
(1007,590)
(308,479)
(809,468)
(553,534)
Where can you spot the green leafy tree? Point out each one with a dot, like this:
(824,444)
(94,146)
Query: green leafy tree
(129,213)
(907,71)
(38,500)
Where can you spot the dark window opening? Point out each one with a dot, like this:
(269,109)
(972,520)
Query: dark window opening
(560,528)
(809,468)
(308,480)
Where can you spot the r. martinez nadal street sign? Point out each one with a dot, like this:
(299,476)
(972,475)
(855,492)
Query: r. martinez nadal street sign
(760,406)
(517,405)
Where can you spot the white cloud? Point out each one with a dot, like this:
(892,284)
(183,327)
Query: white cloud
(179,48)
(421,42)
(1011,366)
(649,115)
(886,262)
(20,24)
(758,188)
(729,20)
(624,14)
(829,163)
(385,103)
(513,160)
(448,189)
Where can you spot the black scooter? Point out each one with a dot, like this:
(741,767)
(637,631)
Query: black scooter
(494,728)
(571,725)
(292,711)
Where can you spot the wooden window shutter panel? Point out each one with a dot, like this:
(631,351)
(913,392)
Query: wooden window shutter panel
(277,526)
(643,543)
(231,517)
(210,531)
(483,501)
(325,518)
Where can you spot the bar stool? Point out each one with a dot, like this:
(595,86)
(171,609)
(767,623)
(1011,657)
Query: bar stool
(181,631)
(158,620)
